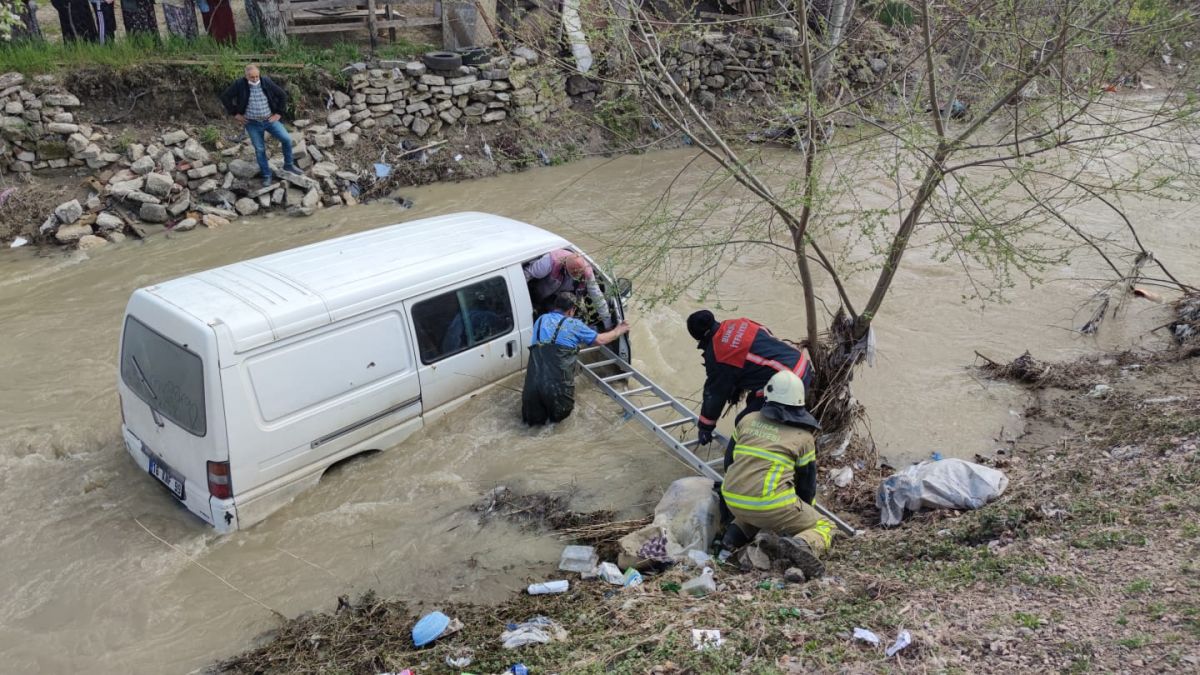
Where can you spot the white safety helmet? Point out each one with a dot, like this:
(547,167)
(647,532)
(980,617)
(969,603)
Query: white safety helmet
(785,388)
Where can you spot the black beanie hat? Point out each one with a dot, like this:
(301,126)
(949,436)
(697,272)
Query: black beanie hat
(700,324)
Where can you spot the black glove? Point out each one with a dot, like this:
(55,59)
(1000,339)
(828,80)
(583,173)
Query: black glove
(705,433)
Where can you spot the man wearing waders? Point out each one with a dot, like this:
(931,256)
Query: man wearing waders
(549,394)
(772,481)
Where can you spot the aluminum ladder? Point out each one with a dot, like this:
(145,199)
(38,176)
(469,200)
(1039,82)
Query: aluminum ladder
(644,400)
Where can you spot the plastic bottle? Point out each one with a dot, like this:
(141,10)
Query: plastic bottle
(701,585)
(547,587)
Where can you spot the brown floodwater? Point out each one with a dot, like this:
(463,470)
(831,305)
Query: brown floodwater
(87,588)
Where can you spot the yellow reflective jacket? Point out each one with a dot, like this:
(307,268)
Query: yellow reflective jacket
(765,459)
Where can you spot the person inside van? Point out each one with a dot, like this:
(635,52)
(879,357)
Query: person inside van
(549,393)
(565,271)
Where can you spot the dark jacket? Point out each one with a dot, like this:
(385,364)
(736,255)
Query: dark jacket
(739,357)
(237,96)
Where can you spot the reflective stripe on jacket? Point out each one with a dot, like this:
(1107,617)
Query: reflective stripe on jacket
(765,459)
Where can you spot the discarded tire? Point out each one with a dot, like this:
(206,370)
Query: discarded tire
(473,56)
(441,60)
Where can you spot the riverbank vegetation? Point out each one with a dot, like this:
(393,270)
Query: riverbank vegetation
(37,57)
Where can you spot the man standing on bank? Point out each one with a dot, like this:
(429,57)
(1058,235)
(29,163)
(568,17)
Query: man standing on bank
(257,103)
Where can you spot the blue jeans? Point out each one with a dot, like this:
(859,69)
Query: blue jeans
(256,130)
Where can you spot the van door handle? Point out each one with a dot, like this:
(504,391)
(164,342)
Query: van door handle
(510,348)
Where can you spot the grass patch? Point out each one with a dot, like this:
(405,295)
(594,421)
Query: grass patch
(1109,540)
(1135,642)
(1027,620)
(33,58)
(1138,587)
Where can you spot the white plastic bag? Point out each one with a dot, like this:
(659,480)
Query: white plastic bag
(945,484)
(688,515)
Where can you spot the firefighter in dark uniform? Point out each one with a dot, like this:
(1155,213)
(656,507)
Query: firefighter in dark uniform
(740,357)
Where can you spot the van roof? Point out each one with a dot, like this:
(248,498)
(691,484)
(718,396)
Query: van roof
(283,294)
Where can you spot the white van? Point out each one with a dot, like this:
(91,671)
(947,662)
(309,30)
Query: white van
(241,385)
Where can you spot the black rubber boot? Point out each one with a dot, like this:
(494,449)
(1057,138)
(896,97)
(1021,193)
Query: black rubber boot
(800,554)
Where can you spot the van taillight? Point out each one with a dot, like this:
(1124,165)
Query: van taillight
(218,480)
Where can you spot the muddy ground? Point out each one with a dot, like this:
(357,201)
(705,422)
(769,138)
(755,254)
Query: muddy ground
(1087,563)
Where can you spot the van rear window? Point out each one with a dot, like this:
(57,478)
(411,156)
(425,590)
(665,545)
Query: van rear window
(166,376)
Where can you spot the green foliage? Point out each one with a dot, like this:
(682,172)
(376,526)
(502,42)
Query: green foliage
(1110,539)
(209,136)
(32,58)
(1027,620)
(892,13)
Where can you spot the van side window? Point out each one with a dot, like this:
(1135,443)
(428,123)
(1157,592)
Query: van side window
(460,319)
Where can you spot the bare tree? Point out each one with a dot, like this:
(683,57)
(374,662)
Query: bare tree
(997,121)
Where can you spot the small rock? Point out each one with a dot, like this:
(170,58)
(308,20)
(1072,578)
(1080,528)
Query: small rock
(90,241)
(415,68)
(202,171)
(12,79)
(246,206)
(60,100)
(68,212)
(323,140)
(194,151)
(106,221)
(62,128)
(877,65)
(114,237)
(240,168)
(69,234)
(350,140)
(185,225)
(153,213)
(523,52)
(420,126)
(212,220)
(337,117)
(208,185)
(158,184)
(1100,391)
(136,151)
(341,99)
(794,575)
(174,137)
(311,199)
(342,128)
(324,169)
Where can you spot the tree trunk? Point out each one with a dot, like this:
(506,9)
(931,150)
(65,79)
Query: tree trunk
(273,24)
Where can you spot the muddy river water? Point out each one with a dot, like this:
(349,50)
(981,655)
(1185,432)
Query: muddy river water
(86,587)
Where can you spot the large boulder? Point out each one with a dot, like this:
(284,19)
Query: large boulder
(90,241)
(246,206)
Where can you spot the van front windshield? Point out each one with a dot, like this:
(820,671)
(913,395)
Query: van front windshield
(168,377)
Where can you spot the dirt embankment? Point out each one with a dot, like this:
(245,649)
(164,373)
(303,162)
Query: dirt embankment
(1087,563)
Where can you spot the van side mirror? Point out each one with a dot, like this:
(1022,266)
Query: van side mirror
(624,288)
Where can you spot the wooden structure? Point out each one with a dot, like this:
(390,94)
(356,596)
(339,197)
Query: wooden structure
(302,17)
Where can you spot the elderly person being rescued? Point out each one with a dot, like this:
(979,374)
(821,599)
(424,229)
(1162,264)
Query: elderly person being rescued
(565,271)
(549,394)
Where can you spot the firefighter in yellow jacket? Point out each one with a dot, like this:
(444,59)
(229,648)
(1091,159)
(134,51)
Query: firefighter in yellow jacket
(772,482)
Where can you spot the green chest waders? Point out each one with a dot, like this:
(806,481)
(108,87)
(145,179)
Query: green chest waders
(549,394)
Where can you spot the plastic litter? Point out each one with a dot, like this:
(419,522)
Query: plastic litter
(461,658)
(518,669)
(843,476)
(948,484)
(383,170)
(866,636)
(18,242)
(698,558)
(1099,391)
(704,638)
(549,587)
(632,577)
(902,640)
(688,516)
(702,585)
(487,151)
(935,456)
(429,628)
(611,573)
(538,630)
(582,559)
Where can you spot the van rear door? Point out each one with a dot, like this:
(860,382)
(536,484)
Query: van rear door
(168,401)
(467,337)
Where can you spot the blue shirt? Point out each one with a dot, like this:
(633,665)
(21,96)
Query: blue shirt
(574,333)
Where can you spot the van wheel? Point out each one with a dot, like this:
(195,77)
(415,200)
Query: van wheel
(442,60)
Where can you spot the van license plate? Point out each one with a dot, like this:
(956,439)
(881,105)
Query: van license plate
(165,476)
